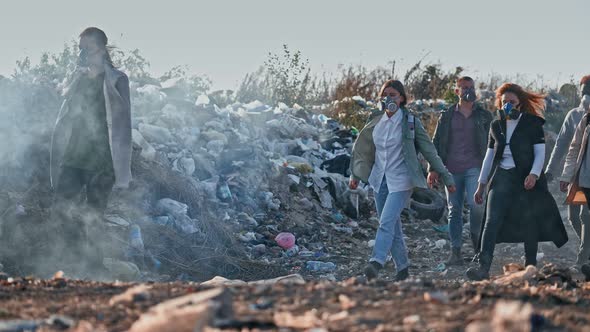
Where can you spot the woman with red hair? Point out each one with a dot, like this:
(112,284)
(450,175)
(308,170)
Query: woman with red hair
(519,207)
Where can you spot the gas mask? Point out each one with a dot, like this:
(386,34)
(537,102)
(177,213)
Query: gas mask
(511,112)
(468,95)
(390,104)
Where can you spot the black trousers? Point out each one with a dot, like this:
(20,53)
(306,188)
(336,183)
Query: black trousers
(98,185)
(80,200)
(506,185)
(586,192)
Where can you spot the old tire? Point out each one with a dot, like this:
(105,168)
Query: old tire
(428,204)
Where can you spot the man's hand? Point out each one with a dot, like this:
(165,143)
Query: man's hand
(432,179)
(478,196)
(530,181)
(353,183)
(451,189)
(563,186)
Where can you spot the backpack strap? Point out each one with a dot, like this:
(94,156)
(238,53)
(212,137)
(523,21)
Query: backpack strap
(411,125)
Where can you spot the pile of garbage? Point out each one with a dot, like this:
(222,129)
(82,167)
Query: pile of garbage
(240,173)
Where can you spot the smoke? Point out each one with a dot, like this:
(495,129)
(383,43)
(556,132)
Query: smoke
(40,236)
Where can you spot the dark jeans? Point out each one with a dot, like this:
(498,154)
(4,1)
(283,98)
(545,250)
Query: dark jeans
(506,184)
(78,218)
(584,251)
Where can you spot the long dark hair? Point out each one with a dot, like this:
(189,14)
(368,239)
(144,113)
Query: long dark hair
(101,39)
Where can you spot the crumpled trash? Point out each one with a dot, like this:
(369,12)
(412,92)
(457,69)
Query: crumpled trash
(20,210)
(161,220)
(306,204)
(440,244)
(202,100)
(171,207)
(155,134)
(442,228)
(296,179)
(259,249)
(247,237)
(337,216)
(135,238)
(245,219)
(347,230)
(223,191)
(318,266)
(215,147)
(292,252)
(285,240)
(269,201)
(185,224)
(184,165)
(117,220)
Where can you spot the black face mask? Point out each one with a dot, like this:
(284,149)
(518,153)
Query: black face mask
(468,95)
(511,112)
(83,58)
(390,104)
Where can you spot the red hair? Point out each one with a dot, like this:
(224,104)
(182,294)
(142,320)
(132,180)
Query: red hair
(530,102)
(585,80)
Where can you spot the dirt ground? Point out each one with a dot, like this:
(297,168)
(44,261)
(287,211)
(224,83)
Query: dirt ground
(435,298)
(351,305)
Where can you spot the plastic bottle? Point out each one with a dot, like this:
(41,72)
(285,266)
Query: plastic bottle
(135,239)
(223,191)
(292,252)
(155,263)
(320,266)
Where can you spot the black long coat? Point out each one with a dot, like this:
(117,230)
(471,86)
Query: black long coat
(533,214)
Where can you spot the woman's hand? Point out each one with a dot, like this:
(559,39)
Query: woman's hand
(530,181)
(353,183)
(478,196)
(563,186)
(432,179)
(451,189)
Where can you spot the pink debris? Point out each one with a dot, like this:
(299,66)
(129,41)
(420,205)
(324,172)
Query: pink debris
(285,240)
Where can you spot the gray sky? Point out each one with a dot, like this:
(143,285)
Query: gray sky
(226,39)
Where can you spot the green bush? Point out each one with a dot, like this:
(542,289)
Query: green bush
(283,78)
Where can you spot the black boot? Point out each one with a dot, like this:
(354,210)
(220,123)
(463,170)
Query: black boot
(402,275)
(372,270)
(455,258)
(481,272)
